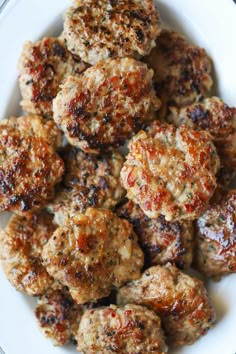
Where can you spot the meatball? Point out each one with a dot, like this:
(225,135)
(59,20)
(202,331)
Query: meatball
(216,237)
(93,252)
(58,315)
(21,244)
(213,115)
(181,301)
(42,67)
(181,70)
(125,330)
(29,166)
(171,171)
(70,202)
(106,105)
(161,241)
(110,28)
(89,181)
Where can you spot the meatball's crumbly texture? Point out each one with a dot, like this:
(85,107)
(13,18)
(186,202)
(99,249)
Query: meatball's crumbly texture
(29,166)
(216,237)
(124,330)
(110,29)
(171,171)
(181,70)
(21,244)
(161,241)
(180,300)
(106,105)
(42,67)
(93,252)
(89,181)
(70,202)
(58,315)
(101,171)
(213,115)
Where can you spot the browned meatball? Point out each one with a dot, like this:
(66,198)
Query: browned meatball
(58,315)
(106,105)
(29,166)
(89,180)
(93,252)
(181,70)
(131,329)
(42,67)
(102,29)
(213,115)
(216,237)
(70,202)
(21,244)
(171,171)
(180,300)
(162,241)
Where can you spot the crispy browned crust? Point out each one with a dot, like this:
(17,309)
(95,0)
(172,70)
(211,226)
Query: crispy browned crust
(93,252)
(21,244)
(42,67)
(58,316)
(161,241)
(171,171)
(125,330)
(89,181)
(111,29)
(216,237)
(213,115)
(29,165)
(181,70)
(180,300)
(106,105)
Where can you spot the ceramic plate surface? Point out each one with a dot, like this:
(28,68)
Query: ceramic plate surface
(208,23)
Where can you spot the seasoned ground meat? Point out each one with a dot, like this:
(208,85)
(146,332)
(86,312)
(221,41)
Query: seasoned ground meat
(106,105)
(130,329)
(42,67)
(181,70)
(102,29)
(213,115)
(171,171)
(180,300)
(162,241)
(70,202)
(93,252)
(21,244)
(58,315)
(29,166)
(216,237)
(89,180)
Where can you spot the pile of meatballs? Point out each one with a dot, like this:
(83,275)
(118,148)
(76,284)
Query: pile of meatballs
(103,237)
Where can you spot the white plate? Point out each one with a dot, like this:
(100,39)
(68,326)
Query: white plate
(208,23)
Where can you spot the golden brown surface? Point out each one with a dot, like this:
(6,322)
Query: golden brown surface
(181,70)
(213,115)
(106,105)
(102,29)
(42,67)
(171,171)
(58,315)
(89,181)
(180,300)
(125,330)
(216,237)
(29,166)
(161,241)
(93,252)
(21,244)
